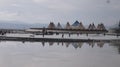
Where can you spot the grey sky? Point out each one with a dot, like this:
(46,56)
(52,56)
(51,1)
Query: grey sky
(44,11)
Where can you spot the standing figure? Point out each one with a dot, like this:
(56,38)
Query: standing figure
(43,31)
(62,35)
(69,34)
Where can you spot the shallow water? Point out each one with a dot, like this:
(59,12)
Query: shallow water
(49,54)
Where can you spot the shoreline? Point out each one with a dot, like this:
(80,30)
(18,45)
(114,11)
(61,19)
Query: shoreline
(57,39)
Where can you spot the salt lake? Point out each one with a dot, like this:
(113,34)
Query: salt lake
(59,54)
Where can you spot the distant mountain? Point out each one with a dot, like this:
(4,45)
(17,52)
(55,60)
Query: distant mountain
(19,25)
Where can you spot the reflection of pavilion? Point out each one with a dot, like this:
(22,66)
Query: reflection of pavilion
(100,44)
(51,43)
(43,43)
(67,44)
(91,44)
(76,45)
(68,26)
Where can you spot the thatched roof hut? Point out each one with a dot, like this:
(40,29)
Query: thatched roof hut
(59,26)
(101,27)
(68,26)
(51,25)
(92,27)
(81,26)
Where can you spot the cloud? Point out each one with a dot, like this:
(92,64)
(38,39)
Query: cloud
(4,2)
(57,5)
(40,1)
(8,16)
(41,11)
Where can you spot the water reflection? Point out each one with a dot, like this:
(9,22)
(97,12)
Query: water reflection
(116,45)
(77,45)
(100,44)
(55,54)
(91,44)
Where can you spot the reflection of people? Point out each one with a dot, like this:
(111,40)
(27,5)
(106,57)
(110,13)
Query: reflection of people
(43,31)
(57,43)
(43,43)
(62,35)
(69,34)
(23,41)
(62,43)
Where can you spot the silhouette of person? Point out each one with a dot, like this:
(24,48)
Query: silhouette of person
(43,31)
(69,34)
(62,35)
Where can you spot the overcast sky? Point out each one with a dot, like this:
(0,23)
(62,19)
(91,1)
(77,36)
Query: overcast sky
(44,11)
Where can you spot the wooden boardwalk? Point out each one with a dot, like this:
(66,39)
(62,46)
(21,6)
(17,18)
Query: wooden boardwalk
(40,30)
(81,31)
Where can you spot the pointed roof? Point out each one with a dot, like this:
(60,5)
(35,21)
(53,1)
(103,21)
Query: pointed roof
(101,27)
(92,27)
(81,26)
(51,25)
(68,26)
(59,26)
(98,27)
(89,27)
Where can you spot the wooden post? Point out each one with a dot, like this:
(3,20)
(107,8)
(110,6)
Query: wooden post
(62,35)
